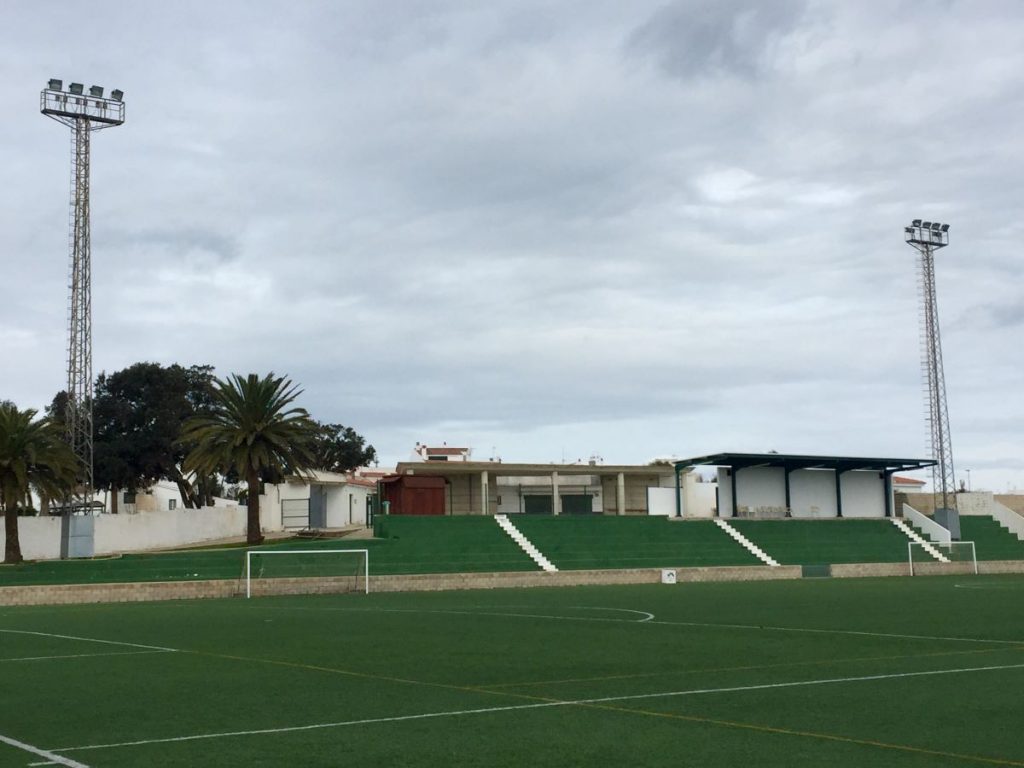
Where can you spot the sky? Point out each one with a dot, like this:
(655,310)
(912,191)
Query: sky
(544,230)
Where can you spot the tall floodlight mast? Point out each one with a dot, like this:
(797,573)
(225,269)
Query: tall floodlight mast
(926,238)
(82,113)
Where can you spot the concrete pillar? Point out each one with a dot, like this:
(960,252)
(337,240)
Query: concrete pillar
(620,494)
(485,496)
(556,498)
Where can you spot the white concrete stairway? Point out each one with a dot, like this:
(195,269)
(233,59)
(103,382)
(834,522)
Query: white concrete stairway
(915,537)
(755,550)
(527,546)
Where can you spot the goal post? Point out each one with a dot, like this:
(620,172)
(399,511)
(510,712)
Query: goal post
(952,551)
(353,564)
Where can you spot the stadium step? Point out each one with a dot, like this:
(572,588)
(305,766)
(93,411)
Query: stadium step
(527,546)
(755,550)
(915,537)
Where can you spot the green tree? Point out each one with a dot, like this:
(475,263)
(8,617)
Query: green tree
(32,454)
(252,429)
(137,418)
(337,448)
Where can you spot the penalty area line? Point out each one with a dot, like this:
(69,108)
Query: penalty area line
(87,640)
(544,704)
(54,759)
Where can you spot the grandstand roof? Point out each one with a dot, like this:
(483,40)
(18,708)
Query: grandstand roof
(798,461)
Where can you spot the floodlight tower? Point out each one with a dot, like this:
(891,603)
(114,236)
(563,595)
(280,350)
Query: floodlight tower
(926,238)
(82,113)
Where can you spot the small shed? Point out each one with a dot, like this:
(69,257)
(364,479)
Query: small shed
(413,494)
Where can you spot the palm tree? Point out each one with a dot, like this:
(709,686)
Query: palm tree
(253,429)
(33,454)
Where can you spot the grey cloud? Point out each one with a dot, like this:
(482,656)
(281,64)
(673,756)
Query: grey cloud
(690,38)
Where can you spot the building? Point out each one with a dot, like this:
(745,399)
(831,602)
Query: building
(321,500)
(482,487)
(790,485)
(422,452)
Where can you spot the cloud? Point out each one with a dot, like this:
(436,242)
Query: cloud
(689,38)
(625,228)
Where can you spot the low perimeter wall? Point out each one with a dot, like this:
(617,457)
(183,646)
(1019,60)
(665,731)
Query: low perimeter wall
(40,536)
(63,594)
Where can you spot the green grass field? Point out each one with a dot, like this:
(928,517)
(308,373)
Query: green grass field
(868,672)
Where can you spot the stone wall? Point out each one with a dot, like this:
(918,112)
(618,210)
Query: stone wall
(62,594)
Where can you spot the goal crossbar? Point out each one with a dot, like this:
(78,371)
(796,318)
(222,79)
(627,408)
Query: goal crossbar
(262,552)
(945,548)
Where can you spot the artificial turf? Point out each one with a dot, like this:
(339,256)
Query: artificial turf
(871,672)
(811,542)
(405,545)
(991,540)
(631,542)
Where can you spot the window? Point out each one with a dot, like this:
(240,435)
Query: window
(172,504)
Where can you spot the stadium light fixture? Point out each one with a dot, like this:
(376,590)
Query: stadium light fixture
(915,223)
(945,227)
(76,88)
(55,85)
(117,94)
(96,90)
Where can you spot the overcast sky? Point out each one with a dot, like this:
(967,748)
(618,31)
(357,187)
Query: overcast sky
(541,229)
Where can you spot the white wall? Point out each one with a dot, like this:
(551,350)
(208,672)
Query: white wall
(761,487)
(863,494)
(812,493)
(39,537)
(346,505)
(163,529)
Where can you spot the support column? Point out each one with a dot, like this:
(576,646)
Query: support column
(620,494)
(887,490)
(789,501)
(839,493)
(732,475)
(679,498)
(556,499)
(485,496)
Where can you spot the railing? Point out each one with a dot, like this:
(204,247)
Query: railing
(931,529)
(1009,519)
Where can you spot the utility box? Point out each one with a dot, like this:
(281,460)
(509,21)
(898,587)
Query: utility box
(77,536)
(950,520)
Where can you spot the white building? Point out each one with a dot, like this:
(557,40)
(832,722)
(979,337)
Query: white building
(788,485)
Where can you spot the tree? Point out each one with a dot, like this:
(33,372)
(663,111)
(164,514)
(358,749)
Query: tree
(32,454)
(252,429)
(137,418)
(337,448)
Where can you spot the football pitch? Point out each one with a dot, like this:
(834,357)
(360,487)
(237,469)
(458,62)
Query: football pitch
(887,672)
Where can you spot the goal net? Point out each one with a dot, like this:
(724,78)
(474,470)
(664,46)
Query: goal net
(950,552)
(320,570)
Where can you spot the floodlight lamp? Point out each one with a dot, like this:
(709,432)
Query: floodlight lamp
(76,88)
(117,94)
(927,225)
(945,227)
(916,223)
(909,230)
(96,91)
(935,226)
(55,85)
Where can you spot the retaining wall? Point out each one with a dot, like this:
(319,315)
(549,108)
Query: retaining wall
(62,594)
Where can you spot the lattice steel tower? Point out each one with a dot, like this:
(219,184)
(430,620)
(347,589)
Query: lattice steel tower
(82,113)
(926,238)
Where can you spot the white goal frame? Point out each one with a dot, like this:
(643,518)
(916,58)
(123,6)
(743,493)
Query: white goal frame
(250,552)
(943,547)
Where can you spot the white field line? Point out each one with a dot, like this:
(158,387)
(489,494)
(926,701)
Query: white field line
(702,624)
(53,758)
(82,655)
(647,616)
(87,640)
(541,705)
